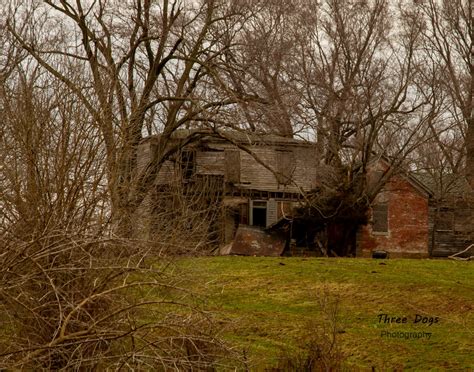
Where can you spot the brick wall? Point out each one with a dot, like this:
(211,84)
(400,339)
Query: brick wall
(408,231)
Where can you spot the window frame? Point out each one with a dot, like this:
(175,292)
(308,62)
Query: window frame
(187,160)
(285,166)
(232,166)
(378,210)
(257,204)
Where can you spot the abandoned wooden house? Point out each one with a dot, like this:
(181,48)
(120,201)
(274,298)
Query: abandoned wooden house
(451,218)
(252,179)
(233,179)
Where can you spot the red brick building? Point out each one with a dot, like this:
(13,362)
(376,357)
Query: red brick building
(399,221)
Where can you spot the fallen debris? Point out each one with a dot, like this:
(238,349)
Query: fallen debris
(455,256)
(225,250)
(255,241)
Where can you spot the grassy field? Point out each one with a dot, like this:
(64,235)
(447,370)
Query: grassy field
(270,306)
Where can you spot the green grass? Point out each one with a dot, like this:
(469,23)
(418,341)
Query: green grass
(269,304)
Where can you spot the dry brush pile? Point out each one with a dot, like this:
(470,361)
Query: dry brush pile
(70,301)
(72,294)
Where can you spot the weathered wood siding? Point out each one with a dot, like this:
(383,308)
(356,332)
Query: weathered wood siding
(252,174)
(231,165)
(257,176)
(209,162)
(167,172)
(144,154)
(451,226)
(141,219)
(307,162)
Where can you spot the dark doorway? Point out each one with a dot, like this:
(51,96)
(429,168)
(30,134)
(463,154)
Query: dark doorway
(259,214)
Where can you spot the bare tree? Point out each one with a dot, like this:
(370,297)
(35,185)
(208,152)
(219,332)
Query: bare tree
(263,66)
(342,73)
(447,28)
(10,56)
(73,301)
(355,76)
(52,175)
(71,297)
(151,68)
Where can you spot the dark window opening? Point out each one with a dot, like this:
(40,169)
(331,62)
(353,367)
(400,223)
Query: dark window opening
(380,218)
(188,164)
(259,217)
(259,213)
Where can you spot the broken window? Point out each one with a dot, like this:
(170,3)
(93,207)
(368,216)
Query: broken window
(380,218)
(188,163)
(286,165)
(232,166)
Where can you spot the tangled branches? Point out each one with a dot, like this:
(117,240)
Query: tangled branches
(70,302)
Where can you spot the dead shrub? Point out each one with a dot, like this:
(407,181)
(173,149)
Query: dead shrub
(80,302)
(319,348)
(184,216)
